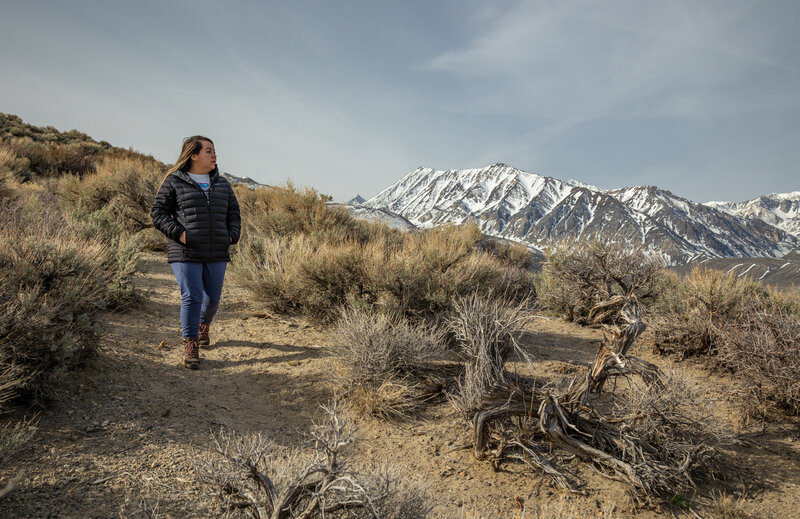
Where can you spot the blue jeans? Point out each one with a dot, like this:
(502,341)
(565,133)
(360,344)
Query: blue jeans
(201,287)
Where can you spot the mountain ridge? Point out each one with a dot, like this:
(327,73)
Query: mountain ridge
(514,204)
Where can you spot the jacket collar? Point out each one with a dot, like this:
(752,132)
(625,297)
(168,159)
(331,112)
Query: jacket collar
(183,175)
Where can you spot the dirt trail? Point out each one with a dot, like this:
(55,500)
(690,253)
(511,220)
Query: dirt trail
(131,422)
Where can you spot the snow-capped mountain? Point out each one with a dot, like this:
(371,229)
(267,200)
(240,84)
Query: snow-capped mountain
(781,210)
(373,214)
(249,182)
(514,204)
(356,200)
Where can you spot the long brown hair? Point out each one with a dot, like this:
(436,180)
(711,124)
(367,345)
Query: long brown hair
(191,146)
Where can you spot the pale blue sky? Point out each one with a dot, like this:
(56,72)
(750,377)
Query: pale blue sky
(701,98)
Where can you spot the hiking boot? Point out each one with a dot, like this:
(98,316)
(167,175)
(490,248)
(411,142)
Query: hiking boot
(202,338)
(191,353)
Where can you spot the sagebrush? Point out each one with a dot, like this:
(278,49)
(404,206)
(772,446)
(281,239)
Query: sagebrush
(578,277)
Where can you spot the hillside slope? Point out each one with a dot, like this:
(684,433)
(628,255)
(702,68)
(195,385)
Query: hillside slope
(134,422)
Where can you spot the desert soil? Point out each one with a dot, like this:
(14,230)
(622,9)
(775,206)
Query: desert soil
(130,424)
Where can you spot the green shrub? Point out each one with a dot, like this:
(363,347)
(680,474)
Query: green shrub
(416,274)
(116,200)
(687,315)
(53,283)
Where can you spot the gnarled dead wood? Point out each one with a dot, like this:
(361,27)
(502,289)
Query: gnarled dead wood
(516,418)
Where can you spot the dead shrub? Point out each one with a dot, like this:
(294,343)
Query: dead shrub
(485,330)
(255,477)
(577,278)
(655,436)
(673,429)
(382,361)
(761,345)
(687,315)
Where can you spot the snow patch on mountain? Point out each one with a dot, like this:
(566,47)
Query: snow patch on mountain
(781,210)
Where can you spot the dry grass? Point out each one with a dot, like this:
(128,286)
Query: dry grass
(116,200)
(271,268)
(51,159)
(382,360)
(287,210)
(740,325)
(416,274)
(725,506)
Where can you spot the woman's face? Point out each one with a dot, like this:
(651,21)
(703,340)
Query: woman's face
(206,159)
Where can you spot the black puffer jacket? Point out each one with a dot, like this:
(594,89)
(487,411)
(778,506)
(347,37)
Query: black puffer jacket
(212,224)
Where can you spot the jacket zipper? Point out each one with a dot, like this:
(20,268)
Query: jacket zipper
(208,205)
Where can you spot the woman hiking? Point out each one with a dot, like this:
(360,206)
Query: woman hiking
(197,211)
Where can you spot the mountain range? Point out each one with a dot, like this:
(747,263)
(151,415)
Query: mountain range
(513,204)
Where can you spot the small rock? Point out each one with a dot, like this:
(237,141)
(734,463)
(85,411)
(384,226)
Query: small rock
(105,423)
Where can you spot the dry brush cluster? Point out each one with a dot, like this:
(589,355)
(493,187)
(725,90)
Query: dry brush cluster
(734,322)
(740,326)
(69,248)
(303,256)
(384,364)
(587,282)
(653,436)
(53,285)
(254,477)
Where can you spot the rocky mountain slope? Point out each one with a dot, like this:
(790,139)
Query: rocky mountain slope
(781,210)
(249,182)
(514,204)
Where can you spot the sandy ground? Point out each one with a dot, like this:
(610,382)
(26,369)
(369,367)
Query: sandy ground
(131,423)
